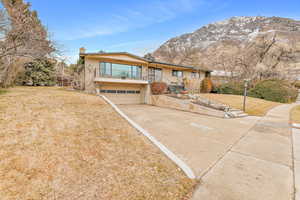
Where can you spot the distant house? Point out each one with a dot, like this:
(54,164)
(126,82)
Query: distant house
(125,77)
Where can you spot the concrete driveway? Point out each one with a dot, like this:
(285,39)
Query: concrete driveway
(236,159)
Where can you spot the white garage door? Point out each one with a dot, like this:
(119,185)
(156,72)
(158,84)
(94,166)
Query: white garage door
(122,94)
(118,97)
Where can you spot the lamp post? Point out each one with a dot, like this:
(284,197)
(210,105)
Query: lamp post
(246,82)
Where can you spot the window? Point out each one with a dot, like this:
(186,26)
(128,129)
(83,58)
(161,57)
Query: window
(155,74)
(177,73)
(120,71)
(194,75)
(121,91)
(207,74)
(105,68)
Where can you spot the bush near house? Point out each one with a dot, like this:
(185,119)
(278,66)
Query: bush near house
(274,90)
(236,88)
(206,86)
(158,88)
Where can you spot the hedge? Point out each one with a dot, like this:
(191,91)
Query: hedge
(274,90)
(236,88)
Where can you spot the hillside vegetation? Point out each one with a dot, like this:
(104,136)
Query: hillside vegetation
(252,47)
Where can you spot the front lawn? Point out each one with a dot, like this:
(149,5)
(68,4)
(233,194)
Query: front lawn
(254,106)
(295,114)
(2,91)
(57,144)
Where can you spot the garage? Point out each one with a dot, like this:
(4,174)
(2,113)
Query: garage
(123,93)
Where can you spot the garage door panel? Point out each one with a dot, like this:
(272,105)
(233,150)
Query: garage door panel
(122,94)
(124,98)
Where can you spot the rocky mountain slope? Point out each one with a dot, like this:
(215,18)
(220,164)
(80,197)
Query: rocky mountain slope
(259,42)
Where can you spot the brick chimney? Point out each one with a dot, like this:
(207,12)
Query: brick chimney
(82,50)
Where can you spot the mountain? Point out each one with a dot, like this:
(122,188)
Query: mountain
(261,43)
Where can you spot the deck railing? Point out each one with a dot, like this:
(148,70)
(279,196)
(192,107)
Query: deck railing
(98,74)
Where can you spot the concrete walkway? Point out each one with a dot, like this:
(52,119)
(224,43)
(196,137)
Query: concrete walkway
(236,159)
(198,140)
(259,166)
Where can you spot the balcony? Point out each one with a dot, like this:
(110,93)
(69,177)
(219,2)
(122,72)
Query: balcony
(120,78)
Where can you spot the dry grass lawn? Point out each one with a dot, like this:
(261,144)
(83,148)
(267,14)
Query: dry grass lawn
(57,144)
(295,114)
(254,106)
(2,91)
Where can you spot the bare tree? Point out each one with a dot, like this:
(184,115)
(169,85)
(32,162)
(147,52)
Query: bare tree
(23,37)
(263,59)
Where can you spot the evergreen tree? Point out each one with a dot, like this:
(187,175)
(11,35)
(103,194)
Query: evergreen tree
(40,72)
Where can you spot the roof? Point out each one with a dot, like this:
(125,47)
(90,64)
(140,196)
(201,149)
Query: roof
(147,60)
(114,53)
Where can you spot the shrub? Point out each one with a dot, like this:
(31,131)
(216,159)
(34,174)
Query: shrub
(206,85)
(274,90)
(236,88)
(158,88)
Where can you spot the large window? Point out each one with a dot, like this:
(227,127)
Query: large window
(120,71)
(177,73)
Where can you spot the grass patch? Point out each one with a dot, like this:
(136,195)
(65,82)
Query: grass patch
(295,114)
(69,145)
(254,106)
(2,91)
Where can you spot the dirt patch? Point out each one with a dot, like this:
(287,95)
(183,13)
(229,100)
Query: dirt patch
(57,144)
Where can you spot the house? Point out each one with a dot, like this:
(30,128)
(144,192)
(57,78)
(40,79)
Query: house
(125,78)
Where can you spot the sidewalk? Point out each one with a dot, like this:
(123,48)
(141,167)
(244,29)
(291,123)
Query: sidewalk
(258,167)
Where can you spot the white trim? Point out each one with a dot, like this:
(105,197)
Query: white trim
(185,168)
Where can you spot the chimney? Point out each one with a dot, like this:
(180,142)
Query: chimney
(82,50)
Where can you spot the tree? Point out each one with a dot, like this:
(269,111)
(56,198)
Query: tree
(77,73)
(149,56)
(40,72)
(24,38)
(265,58)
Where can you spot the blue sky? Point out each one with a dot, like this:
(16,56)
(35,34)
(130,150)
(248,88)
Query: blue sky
(141,26)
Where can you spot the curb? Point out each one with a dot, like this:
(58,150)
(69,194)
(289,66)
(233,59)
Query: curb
(182,165)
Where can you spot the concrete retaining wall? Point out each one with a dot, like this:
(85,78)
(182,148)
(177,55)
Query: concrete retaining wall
(184,105)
